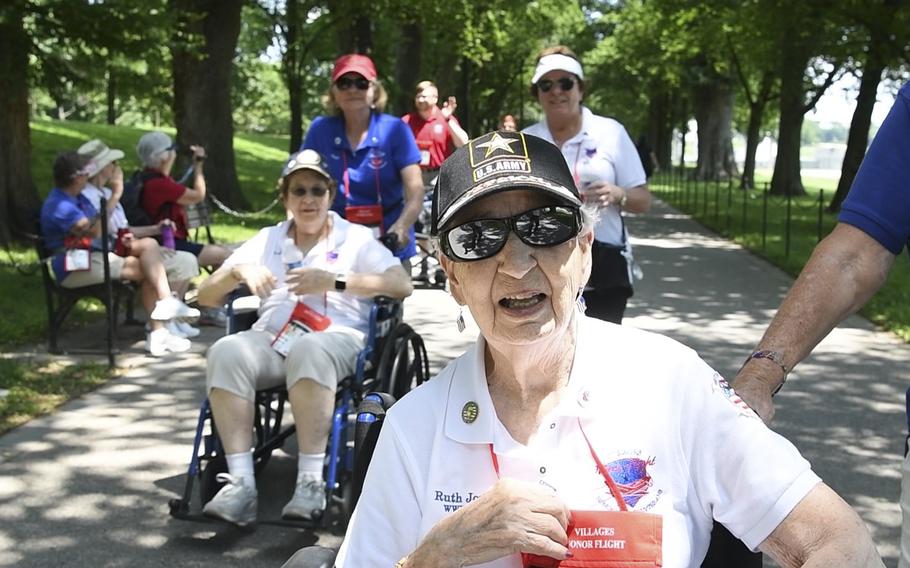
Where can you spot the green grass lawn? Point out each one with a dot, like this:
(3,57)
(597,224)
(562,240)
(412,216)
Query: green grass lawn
(746,216)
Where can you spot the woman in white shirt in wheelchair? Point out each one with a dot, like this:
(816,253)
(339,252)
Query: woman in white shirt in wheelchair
(342,267)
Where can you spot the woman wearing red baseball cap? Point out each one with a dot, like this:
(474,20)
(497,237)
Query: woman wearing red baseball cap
(373,155)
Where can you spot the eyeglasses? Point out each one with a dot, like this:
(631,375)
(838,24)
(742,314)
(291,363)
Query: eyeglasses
(483,238)
(359,83)
(564,84)
(316,191)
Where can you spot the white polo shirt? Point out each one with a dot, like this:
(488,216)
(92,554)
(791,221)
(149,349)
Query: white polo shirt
(349,248)
(601,151)
(674,436)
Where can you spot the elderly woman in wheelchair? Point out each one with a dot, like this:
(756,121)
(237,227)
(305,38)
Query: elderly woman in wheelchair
(316,274)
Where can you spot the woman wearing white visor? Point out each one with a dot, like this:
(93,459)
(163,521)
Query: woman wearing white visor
(607,171)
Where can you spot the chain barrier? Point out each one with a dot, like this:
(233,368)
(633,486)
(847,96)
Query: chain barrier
(224,208)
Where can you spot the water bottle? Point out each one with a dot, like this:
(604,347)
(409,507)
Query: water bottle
(291,255)
(167,236)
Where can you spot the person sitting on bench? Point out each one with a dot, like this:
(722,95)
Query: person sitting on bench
(69,222)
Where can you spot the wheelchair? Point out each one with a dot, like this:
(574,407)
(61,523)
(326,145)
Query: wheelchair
(431,274)
(394,358)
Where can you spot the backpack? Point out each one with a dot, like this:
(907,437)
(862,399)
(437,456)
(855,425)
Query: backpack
(131,200)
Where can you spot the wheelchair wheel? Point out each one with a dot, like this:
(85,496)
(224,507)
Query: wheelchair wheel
(208,485)
(403,363)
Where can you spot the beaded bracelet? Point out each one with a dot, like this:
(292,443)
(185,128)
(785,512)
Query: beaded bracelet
(775,357)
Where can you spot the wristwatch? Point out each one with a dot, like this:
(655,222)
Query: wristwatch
(341,282)
(625,197)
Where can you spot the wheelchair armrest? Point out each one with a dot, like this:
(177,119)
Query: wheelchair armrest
(241,309)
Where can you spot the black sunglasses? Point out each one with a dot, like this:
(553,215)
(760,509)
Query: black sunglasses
(565,84)
(316,191)
(483,238)
(359,83)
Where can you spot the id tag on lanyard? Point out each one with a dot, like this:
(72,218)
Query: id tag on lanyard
(424,148)
(369,215)
(608,539)
(77,260)
(303,320)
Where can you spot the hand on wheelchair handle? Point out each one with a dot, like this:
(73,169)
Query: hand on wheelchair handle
(390,240)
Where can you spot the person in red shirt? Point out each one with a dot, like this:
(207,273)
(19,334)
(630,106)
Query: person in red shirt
(436,130)
(164,198)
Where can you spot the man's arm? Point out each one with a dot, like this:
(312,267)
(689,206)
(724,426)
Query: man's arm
(845,270)
(822,531)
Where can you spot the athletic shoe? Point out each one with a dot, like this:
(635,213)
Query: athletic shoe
(308,501)
(160,341)
(182,329)
(236,502)
(170,308)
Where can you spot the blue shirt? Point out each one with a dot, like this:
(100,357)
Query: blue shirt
(879,200)
(374,168)
(59,213)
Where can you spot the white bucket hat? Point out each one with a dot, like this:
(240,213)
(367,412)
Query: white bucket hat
(99,155)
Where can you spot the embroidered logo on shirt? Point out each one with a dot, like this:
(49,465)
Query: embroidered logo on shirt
(589,152)
(631,477)
(377,158)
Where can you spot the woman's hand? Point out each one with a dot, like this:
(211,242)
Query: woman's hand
(258,279)
(512,517)
(309,280)
(603,194)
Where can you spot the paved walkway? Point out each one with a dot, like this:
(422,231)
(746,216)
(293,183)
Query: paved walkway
(89,485)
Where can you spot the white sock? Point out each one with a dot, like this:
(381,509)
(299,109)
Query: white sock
(241,466)
(310,465)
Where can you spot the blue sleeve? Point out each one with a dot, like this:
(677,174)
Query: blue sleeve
(879,200)
(403,146)
(316,135)
(66,214)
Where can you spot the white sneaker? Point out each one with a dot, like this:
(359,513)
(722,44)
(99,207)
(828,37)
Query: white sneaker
(235,503)
(160,341)
(181,329)
(308,501)
(170,308)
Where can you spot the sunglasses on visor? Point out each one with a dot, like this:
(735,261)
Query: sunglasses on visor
(564,84)
(359,83)
(483,238)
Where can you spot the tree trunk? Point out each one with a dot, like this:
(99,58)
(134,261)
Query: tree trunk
(714,114)
(357,36)
(786,179)
(291,66)
(660,134)
(203,52)
(111,96)
(407,66)
(858,138)
(19,201)
(753,132)
(464,96)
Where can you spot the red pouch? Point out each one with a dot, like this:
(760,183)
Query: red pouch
(303,320)
(608,539)
(120,246)
(370,215)
(73,242)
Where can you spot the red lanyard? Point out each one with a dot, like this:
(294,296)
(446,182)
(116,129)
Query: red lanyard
(575,167)
(346,178)
(608,479)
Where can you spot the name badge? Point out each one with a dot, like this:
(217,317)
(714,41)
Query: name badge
(76,260)
(303,320)
(424,148)
(608,539)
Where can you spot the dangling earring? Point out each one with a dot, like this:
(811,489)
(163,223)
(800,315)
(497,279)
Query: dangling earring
(580,301)
(459,321)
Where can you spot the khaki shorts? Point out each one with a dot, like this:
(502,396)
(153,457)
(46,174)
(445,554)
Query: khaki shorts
(180,265)
(95,274)
(245,362)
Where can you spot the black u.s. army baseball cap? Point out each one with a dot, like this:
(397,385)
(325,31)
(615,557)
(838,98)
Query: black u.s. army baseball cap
(499,161)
